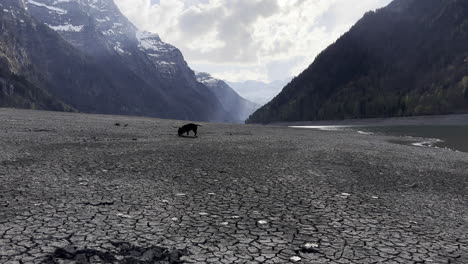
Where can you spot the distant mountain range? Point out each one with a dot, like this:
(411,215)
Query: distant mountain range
(84,55)
(239,107)
(259,92)
(409,58)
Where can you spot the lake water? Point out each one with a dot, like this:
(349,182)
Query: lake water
(454,137)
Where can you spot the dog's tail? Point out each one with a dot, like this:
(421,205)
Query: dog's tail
(198,125)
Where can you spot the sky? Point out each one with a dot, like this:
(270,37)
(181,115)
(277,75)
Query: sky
(239,40)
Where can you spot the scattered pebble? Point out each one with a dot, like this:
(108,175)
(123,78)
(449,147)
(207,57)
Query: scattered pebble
(165,201)
(295,259)
(345,194)
(375,197)
(174,218)
(262,222)
(309,247)
(224,223)
(211,193)
(180,194)
(203,213)
(124,215)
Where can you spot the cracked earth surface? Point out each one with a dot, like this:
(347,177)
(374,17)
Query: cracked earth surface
(75,188)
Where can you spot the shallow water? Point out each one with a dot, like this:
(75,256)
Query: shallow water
(443,136)
(453,137)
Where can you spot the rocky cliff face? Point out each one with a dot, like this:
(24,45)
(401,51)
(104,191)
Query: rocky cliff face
(409,58)
(16,62)
(239,107)
(86,53)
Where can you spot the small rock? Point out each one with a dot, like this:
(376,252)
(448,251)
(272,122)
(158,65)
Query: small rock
(224,223)
(295,259)
(309,248)
(375,197)
(345,194)
(123,215)
(148,255)
(203,213)
(117,124)
(174,218)
(262,222)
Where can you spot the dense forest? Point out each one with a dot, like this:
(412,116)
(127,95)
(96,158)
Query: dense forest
(409,58)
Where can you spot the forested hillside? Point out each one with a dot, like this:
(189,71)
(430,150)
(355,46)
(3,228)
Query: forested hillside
(409,58)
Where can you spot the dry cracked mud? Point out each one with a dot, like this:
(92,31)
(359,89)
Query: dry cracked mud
(76,188)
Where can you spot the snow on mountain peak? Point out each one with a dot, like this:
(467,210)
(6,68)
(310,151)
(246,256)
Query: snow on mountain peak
(206,78)
(151,43)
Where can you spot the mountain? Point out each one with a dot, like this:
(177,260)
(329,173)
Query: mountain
(88,55)
(409,58)
(25,66)
(258,92)
(15,90)
(237,106)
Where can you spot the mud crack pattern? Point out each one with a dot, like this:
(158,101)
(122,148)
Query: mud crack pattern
(78,188)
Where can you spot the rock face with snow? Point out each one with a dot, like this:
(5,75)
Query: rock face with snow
(136,72)
(35,62)
(239,107)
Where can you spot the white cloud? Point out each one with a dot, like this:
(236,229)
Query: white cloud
(248,39)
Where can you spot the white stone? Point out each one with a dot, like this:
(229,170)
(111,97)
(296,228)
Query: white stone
(295,259)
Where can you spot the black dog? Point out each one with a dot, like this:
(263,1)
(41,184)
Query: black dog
(187,128)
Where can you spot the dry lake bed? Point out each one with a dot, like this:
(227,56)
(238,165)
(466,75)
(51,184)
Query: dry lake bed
(78,188)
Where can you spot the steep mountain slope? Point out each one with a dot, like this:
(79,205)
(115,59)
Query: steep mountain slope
(237,106)
(15,90)
(39,55)
(152,72)
(409,58)
(31,77)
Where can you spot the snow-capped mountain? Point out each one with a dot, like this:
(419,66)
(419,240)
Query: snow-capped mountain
(79,21)
(140,73)
(239,107)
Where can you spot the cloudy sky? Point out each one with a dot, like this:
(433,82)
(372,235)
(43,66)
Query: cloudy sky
(238,40)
